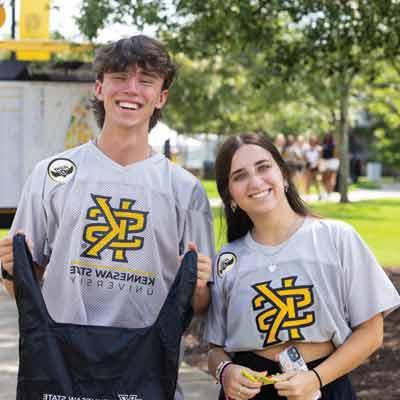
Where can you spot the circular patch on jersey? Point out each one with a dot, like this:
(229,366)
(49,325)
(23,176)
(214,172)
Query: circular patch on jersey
(61,170)
(226,261)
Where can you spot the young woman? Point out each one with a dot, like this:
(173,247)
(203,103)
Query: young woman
(329,163)
(312,156)
(287,277)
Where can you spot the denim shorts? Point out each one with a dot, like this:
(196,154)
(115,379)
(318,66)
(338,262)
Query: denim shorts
(339,389)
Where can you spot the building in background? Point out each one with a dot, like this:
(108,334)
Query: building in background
(195,153)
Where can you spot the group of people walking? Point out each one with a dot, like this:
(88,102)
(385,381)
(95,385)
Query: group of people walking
(312,162)
(108,222)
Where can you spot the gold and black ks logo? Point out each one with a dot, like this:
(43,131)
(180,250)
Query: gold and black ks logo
(283,309)
(115,229)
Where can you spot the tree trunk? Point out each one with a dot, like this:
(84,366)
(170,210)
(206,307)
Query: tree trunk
(344,141)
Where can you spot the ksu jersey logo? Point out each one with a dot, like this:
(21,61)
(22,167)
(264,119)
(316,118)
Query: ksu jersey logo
(282,309)
(128,397)
(114,229)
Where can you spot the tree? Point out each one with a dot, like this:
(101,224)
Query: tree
(334,40)
(204,99)
(382,101)
(218,95)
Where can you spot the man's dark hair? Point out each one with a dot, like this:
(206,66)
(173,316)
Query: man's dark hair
(140,50)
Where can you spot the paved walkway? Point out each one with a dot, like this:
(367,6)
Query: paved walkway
(8,346)
(392,191)
(195,383)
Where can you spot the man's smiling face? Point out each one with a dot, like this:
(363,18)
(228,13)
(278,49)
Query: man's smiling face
(130,97)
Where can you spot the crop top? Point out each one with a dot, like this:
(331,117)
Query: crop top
(314,287)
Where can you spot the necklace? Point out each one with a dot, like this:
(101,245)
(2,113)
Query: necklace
(272,266)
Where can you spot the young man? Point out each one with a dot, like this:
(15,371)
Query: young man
(109,219)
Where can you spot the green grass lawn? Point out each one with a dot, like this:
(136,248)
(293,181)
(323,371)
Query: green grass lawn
(377,221)
(211,188)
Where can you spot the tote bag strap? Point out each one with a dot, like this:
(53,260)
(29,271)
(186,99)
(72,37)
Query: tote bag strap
(28,296)
(177,312)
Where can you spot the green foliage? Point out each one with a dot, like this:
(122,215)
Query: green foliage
(97,14)
(219,95)
(388,148)
(381,97)
(204,99)
(262,57)
(286,39)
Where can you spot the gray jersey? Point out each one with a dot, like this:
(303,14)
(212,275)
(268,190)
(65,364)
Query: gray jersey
(315,287)
(112,234)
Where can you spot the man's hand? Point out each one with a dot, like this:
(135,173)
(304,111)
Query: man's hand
(6,255)
(7,261)
(6,252)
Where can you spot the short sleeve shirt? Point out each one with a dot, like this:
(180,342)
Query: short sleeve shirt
(315,287)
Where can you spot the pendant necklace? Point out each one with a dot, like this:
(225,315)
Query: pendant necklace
(272,265)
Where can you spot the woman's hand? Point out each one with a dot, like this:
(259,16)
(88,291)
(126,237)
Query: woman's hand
(298,385)
(204,267)
(201,296)
(238,387)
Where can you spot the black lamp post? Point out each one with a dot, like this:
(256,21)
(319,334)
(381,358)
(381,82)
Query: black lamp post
(13,56)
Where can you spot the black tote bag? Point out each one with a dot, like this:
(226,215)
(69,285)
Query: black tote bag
(59,361)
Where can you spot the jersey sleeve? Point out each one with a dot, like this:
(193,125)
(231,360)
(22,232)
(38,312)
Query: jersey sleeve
(368,289)
(198,223)
(31,217)
(215,324)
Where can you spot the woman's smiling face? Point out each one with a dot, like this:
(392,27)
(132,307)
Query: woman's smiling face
(256,183)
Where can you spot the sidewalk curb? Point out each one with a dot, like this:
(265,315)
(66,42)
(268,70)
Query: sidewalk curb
(354,196)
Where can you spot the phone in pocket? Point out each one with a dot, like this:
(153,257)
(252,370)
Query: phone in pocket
(291,360)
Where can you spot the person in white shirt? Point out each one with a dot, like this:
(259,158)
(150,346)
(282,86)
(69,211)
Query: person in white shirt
(108,220)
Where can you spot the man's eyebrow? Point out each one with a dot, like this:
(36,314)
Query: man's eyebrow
(118,73)
(152,74)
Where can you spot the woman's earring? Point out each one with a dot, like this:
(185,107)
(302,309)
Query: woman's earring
(286,188)
(233,206)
